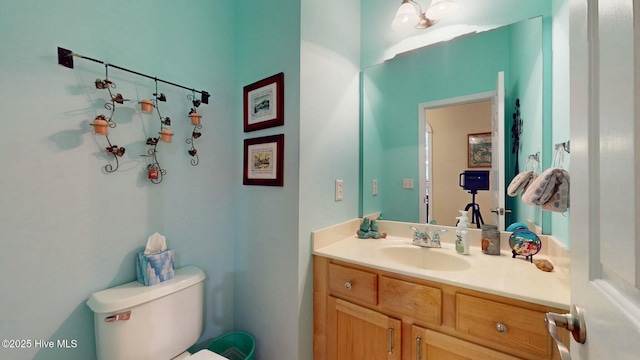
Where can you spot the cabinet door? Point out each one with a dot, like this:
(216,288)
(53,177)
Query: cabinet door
(355,332)
(432,345)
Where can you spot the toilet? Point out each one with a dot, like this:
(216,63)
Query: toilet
(134,321)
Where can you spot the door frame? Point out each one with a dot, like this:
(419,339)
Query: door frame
(422,128)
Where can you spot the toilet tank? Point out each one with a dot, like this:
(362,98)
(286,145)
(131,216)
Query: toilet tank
(134,321)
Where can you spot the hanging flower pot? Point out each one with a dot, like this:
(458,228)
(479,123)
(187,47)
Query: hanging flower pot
(195,117)
(165,135)
(146,106)
(152,172)
(100,125)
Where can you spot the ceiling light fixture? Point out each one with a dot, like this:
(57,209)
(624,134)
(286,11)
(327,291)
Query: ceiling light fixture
(410,14)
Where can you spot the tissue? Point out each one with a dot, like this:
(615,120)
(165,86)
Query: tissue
(155,244)
(155,264)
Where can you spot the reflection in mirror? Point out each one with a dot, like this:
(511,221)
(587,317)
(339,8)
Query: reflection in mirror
(391,96)
(448,154)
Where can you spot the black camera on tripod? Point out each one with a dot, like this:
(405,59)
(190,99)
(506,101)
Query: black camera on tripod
(474,180)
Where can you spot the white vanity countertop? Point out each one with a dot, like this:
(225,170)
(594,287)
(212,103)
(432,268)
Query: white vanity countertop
(500,275)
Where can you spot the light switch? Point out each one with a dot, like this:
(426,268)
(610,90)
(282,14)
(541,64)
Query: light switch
(338,190)
(375,188)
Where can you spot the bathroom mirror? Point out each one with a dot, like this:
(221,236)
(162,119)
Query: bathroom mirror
(396,91)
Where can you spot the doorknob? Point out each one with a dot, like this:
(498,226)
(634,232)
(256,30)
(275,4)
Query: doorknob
(574,322)
(500,211)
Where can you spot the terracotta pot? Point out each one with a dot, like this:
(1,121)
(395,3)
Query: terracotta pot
(146,106)
(195,118)
(165,135)
(152,171)
(100,126)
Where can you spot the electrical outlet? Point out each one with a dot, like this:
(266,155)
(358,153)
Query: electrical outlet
(407,183)
(375,187)
(338,190)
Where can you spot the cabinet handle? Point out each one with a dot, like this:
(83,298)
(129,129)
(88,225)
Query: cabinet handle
(502,328)
(347,285)
(390,342)
(418,340)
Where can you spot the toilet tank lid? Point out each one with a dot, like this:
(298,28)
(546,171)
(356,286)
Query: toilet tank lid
(134,293)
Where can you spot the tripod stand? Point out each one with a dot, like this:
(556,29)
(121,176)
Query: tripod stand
(476,217)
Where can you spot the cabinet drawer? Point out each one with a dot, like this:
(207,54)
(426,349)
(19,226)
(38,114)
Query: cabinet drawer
(504,324)
(353,284)
(414,300)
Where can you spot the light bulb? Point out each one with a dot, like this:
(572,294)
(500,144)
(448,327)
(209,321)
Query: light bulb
(406,17)
(441,8)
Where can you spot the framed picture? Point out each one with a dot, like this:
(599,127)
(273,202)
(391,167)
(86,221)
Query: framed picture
(264,161)
(264,103)
(479,148)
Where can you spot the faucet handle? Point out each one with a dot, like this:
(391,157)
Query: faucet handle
(435,235)
(417,234)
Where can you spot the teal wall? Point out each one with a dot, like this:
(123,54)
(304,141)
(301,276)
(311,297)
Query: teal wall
(273,280)
(390,111)
(526,83)
(560,111)
(329,134)
(67,228)
(266,219)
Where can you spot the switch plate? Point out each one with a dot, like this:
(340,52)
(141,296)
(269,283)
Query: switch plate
(374,188)
(338,190)
(407,183)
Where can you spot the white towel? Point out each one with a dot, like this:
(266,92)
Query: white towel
(550,190)
(520,183)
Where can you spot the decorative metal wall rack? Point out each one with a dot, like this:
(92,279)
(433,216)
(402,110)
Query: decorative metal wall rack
(102,124)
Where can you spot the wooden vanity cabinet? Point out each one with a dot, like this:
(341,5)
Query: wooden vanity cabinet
(361,333)
(363,313)
(429,344)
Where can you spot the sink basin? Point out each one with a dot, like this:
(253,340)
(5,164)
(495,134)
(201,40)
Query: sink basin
(426,258)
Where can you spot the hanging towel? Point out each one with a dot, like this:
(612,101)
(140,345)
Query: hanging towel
(520,183)
(550,190)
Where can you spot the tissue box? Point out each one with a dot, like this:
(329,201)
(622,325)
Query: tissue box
(154,268)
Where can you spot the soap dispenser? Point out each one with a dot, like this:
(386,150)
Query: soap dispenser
(462,234)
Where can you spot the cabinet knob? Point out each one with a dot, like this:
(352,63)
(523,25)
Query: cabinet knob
(502,328)
(347,285)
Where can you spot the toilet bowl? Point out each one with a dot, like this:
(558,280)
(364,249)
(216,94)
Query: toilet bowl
(134,321)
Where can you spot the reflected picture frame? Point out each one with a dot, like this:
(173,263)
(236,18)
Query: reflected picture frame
(264,103)
(479,150)
(264,161)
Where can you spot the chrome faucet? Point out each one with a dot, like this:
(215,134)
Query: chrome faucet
(422,238)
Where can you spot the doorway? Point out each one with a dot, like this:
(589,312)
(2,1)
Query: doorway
(444,128)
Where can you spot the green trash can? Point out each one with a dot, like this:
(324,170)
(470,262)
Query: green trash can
(234,346)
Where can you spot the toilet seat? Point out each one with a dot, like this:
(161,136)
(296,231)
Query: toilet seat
(205,354)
